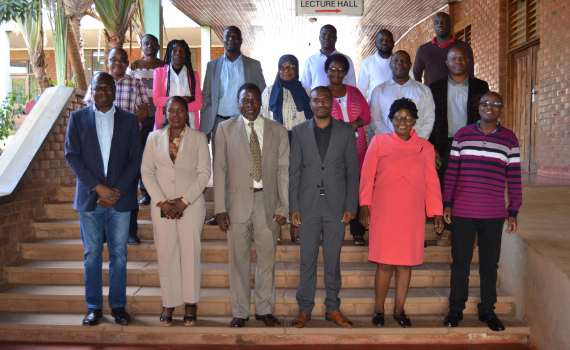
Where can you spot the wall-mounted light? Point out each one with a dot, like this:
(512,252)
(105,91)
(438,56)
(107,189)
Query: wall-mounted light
(312,19)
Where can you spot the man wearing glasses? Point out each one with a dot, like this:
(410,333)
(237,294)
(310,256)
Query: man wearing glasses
(484,158)
(314,73)
(131,96)
(456,98)
(401,85)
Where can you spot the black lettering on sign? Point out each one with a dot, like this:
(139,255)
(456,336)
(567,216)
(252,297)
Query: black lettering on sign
(331,3)
(347,4)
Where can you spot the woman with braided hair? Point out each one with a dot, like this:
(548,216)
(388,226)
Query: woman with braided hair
(177,78)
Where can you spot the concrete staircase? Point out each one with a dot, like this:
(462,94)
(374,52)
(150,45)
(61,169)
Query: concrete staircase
(44,298)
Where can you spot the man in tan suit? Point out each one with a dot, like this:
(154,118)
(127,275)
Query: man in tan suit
(251,179)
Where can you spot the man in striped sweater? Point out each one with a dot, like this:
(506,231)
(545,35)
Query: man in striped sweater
(484,157)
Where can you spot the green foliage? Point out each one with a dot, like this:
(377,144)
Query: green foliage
(17,9)
(71,83)
(59,24)
(8,113)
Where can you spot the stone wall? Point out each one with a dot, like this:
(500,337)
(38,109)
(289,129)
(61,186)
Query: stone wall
(49,172)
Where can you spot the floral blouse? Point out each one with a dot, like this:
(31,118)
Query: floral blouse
(174,145)
(291,117)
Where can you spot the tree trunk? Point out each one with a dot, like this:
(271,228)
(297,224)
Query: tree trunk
(75,52)
(39,66)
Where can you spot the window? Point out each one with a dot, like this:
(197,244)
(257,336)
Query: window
(524,21)
(464,34)
(23,80)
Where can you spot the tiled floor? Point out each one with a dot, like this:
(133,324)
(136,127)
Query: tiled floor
(11,346)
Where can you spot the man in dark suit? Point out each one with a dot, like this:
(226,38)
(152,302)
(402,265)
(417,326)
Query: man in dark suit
(103,149)
(323,195)
(456,98)
(224,76)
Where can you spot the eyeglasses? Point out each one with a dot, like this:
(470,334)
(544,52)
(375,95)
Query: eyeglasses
(334,70)
(400,119)
(121,60)
(290,68)
(490,104)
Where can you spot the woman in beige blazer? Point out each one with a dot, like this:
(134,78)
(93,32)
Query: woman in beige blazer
(175,170)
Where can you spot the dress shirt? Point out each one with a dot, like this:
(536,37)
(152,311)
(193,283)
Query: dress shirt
(258,126)
(314,71)
(105,124)
(457,95)
(374,70)
(291,116)
(232,78)
(386,93)
(323,138)
(179,86)
(131,92)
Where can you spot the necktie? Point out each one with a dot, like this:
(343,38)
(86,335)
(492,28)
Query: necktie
(255,153)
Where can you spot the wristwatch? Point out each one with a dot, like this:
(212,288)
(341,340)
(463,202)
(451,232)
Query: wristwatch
(358,123)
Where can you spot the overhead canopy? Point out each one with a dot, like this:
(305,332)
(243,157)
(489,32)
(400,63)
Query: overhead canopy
(270,28)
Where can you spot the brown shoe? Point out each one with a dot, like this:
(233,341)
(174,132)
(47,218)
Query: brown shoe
(338,318)
(301,320)
(269,320)
(445,239)
(238,322)
(213,221)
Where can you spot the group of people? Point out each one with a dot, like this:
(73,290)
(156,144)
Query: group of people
(296,151)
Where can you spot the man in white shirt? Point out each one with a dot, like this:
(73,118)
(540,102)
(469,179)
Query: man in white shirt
(375,69)
(314,73)
(401,85)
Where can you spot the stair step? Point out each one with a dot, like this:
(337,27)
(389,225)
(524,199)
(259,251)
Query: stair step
(216,275)
(216,301)
(66,328)
(69,229)
(64,210)
(67,193)
(212,251)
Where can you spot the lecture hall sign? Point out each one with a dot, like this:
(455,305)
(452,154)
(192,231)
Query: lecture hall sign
(329,7)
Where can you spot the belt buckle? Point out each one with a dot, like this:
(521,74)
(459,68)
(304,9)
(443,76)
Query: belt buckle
(322,192)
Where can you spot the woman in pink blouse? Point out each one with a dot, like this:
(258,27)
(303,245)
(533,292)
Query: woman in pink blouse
(177,78)
(351,107)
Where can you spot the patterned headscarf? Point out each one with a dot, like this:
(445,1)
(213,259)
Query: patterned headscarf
(294,86)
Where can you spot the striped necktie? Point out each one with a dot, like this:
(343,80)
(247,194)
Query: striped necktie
(255,153)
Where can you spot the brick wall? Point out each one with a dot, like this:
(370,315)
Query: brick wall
(40,187)
(554,71)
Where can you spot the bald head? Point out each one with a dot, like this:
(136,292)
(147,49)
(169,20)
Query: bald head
(384,43)
(400,65)
(442,25)
(495,96)
(457,61)
(103,91)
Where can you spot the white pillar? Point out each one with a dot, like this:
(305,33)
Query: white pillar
(206,49)
(5,84)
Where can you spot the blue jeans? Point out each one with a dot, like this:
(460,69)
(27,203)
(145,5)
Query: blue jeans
(94,225)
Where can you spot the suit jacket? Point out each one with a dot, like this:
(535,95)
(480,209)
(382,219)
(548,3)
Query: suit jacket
(477,88)
(339,171)
(233,171)
(211,92)
(83,155)
(187,177)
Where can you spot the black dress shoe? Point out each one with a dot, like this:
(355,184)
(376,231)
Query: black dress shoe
(238,322)
(492,321)
(378,319)
(145,200)
(213,221)
(269,320)
(121,316)
(92,317)
(133,239)
(403,320)
(452,319)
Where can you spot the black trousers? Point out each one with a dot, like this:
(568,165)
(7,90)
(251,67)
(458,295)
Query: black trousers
(356,227)
(441,172)
(146,128)
(489,232)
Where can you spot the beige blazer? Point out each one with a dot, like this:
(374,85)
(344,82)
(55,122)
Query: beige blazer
(233,171)
(187,178)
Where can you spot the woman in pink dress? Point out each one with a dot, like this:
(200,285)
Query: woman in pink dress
(398,186)
(351,107)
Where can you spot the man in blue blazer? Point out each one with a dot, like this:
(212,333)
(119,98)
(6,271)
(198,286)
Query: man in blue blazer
(103,149)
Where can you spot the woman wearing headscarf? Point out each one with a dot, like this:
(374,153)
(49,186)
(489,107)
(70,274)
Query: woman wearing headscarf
(350,106)
(177,78)
(287,102)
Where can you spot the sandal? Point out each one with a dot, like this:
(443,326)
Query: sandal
(359,241)
(166,321)
(190,320)
(294,235)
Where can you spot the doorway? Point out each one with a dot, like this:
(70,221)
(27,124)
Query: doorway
(524,111)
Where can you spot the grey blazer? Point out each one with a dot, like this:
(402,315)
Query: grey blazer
(211,90)
(233,171)
(339,171)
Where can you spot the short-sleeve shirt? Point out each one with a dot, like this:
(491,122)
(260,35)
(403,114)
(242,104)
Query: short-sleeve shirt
(131,93)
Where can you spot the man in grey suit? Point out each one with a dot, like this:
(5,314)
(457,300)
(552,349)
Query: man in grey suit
(323,194)
(251,177)
(224,76)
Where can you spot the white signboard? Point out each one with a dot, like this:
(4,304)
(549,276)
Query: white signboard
(329,7)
